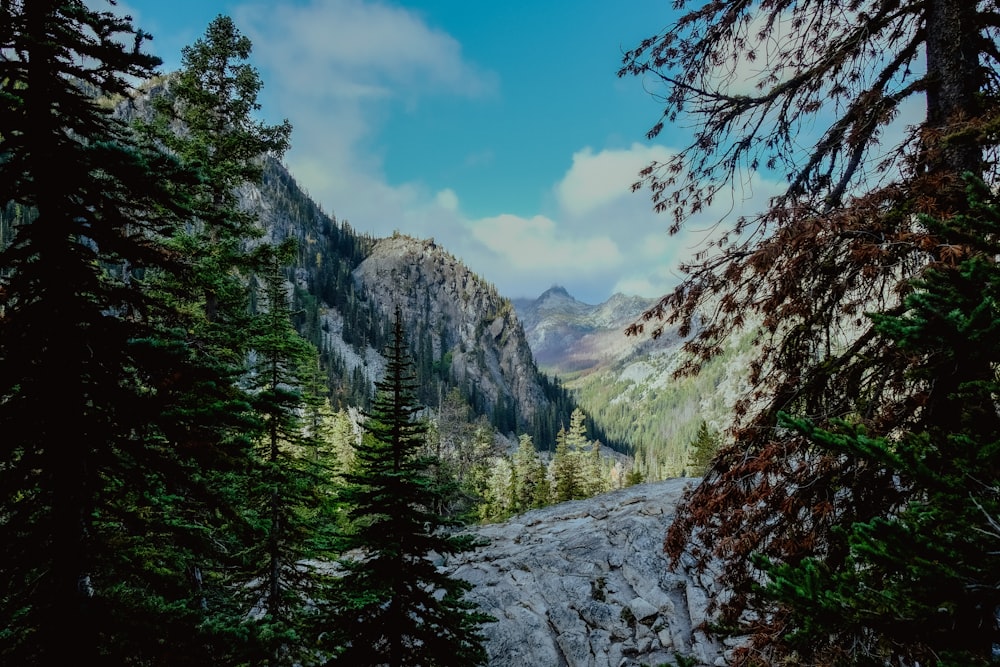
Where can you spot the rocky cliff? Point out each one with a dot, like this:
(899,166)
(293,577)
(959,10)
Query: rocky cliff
(586,584)
(466,327)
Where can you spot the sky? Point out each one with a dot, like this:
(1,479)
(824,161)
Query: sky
(500,129)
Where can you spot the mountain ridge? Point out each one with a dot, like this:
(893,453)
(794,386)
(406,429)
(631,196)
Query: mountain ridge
(568,336)
(501,354)
(628,383)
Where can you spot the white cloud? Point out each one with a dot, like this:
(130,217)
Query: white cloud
(595,198)
(332,67)
(447,199)
(352,58)
(356,49)
(596,179)
(530,243)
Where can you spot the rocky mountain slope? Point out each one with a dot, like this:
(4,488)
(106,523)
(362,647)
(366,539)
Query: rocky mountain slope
(586,584)
(627,384)
(461,322)
(568,336)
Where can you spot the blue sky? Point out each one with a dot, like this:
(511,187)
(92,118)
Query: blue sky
(498,128)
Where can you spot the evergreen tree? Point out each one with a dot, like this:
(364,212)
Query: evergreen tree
(560,469)
(105,512)
(288,491)
(205,119)
(822,112)
(343,440)
(567,478)
(543,490)
(213,99)
(919,580)
(598,480)
(394,607)
(529,475)
(702,450)
(498,491)
(569,466)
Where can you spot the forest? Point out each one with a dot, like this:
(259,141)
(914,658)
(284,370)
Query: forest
(189,476)
(215,469)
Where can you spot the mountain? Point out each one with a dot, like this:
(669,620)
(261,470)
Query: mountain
(458,324)
(627,384)
(346,286)
(462,333)
(513,362)
(568,336)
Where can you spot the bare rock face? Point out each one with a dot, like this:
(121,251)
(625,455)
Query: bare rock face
(586,584)
(467,324)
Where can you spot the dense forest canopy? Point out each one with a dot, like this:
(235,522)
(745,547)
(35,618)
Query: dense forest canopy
(881,117)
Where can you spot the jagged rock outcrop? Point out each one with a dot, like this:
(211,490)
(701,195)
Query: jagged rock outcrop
(467,324)
(586,584)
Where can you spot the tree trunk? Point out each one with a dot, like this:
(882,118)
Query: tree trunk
(953,96)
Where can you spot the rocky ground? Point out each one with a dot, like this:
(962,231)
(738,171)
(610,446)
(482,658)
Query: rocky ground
(586,584)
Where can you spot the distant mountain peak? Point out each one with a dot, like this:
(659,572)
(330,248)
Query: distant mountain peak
(554,291)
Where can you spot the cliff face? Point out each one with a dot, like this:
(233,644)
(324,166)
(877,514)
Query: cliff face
(586,584)
(462,322)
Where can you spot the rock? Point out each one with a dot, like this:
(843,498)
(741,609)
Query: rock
(641,610)
(697,603)
(465,321)
(587,583)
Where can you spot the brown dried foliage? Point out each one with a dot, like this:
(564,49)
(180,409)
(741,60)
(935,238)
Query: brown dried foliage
(843,239)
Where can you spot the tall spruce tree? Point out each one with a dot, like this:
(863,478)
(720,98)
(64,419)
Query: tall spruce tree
(702,449)
(213,98)
(569,467)
(529,475)
(205,117)
(103,520)
(816,93)
(288,491)
(919,581)
(393,606)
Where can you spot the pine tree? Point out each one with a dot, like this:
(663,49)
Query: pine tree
(394,606)
(105,519)
(919,580)
(702,449)
(343,440)
(205,118)
(288,492)
(529,475)
(213,99)
(598,481)
(569,469)
(562,470)
(846,235)
(498,491)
